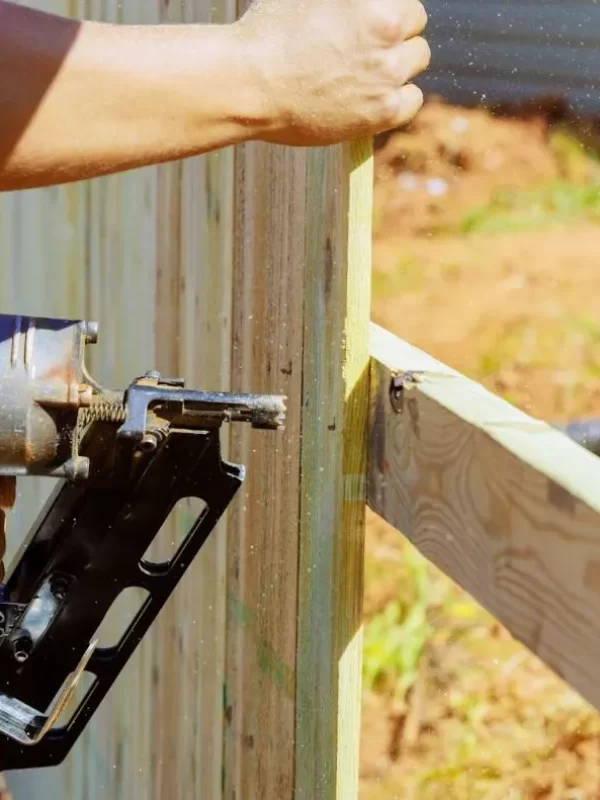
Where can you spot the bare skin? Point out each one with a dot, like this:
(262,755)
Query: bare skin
(80,100)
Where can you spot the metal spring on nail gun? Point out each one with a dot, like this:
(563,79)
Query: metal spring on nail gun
(103,411)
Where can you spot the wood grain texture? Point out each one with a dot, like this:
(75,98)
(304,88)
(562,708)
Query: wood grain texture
(505,505)
(193,339)
(263,544)
(301,302)
(333,458)
(149,255)
(348,566)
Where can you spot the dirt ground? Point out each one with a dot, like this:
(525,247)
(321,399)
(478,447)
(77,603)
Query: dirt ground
(487,250)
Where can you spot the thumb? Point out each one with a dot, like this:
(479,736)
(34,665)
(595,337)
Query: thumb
(8,493)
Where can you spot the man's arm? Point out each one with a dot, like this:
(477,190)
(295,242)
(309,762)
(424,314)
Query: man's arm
(85,99)
(79,100)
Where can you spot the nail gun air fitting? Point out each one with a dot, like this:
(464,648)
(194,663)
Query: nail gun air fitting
(125,460)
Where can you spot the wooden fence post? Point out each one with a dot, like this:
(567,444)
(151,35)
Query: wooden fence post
(301,313)
(267,290)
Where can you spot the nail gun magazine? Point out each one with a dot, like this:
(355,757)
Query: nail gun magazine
(124,459)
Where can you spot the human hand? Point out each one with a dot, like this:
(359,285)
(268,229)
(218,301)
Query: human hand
(4,793)
(8,490)
(335,70)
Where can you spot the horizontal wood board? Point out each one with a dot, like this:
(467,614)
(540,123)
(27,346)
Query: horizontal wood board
(505,505)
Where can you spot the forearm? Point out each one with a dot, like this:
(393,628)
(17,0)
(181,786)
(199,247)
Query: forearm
(78,100)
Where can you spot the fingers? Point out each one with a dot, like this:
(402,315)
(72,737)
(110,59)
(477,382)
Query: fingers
(8,492)
(408,105)
(407,54)
(4,793)
(404,100)
(410,59)
(2,545)
(394,21)
(415,19)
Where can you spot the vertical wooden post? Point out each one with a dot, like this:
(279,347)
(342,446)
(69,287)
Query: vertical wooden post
(333,458)
(301,311)
(193,339)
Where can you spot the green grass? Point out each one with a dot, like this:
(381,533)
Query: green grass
(511,211)
(577,161)
(575,195)
(408,276)
(395,638)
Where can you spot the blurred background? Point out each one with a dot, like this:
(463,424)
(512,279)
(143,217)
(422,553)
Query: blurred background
(487,255)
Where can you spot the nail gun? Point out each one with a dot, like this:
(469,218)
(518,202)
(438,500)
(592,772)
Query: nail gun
(125,459)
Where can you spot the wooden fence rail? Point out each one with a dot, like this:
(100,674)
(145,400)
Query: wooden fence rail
(505,505)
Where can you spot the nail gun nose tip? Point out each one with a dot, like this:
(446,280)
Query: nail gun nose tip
(91,332)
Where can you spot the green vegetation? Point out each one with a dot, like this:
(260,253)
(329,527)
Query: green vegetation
(557,203)
(395,638)
(575,196)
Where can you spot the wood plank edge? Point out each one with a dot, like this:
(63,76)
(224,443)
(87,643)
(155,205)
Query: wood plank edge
(532,441)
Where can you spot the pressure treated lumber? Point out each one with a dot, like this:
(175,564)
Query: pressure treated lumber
(505,505)
(194,233)
(300,327)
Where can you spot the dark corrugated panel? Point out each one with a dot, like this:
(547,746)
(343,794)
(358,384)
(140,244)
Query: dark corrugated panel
(500,50)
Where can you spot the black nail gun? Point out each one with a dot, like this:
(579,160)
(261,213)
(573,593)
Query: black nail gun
(125,460)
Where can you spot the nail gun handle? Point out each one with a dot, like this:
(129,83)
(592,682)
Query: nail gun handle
(95,538)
